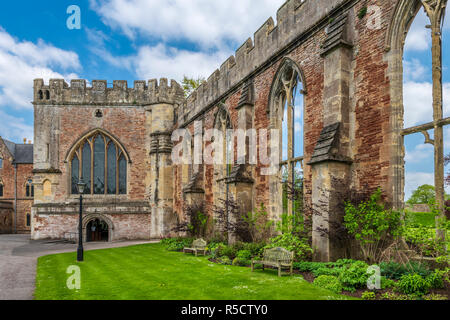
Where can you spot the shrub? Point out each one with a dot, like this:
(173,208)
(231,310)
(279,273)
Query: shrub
(387,283)
(423,241)
(393,270)
(256,249)
(413,284)
(306,266)
(259,225)
(436,279)
(224,250)
(394,296)
(328,282)
(244,255)
(241,262)
(176,244)
(354,276)
(300,247)
(196,222)
(368,295)
(372,225)
(224,260)
(324,271)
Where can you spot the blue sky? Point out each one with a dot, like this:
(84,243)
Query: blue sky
(144,39)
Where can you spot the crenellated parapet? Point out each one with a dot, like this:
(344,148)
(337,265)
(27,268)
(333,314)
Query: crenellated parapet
(58,92)
(294,18)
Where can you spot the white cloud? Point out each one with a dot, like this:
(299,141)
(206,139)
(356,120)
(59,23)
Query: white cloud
(204,22)
(14,128)
(418,102)
(419,153)
(154,62)
(414,70)
(23,61)
(419,38)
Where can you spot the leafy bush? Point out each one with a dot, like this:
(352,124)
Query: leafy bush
(423,241)
(413,284)
(196,222)
(372,225)
(176,244)
(354,276)
(256,249)
(394,296)
(328,282)
(436,280)
(224,250)
(300,247)
(244,255)
(387,283)
(393,270)
(241,262)
(224,260)
(368,295)
(324,271)
(306,266)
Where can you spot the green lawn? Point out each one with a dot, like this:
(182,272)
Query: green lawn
(150,272)
(426,219)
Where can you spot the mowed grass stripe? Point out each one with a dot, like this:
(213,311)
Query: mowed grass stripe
(149,272)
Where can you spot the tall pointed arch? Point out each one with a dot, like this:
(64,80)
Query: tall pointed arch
(403,16)
(286,111)
(100,160)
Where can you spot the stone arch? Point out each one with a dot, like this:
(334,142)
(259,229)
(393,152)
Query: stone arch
(286,65)
(288,72)
(402,18)
(93,216)
(90,133)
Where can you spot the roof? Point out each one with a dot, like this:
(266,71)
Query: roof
(22,153)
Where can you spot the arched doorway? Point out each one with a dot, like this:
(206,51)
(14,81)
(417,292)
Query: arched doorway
(97,230)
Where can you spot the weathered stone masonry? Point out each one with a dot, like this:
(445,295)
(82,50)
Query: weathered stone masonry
(351,77)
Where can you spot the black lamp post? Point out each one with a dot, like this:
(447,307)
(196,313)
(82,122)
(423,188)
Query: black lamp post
(81,185)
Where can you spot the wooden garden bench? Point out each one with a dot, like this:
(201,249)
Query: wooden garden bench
(198,246)
(279,258)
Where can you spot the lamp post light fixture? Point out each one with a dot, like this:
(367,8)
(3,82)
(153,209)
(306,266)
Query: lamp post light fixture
(81,186)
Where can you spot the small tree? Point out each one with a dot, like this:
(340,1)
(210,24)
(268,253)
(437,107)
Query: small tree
(373,226)
(196,220)
(424,194)
(259,226)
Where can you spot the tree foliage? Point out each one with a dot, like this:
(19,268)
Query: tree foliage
(190,84)
(424,194)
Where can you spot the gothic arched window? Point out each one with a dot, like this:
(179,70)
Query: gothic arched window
(288,105)
(29,188)
(1,188)
(101,163)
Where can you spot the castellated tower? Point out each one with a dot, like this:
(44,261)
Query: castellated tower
(117,140)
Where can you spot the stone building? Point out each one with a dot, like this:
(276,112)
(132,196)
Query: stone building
(16,186)
(334,64)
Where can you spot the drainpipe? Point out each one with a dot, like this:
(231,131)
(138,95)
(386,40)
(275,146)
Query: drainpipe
(15,197)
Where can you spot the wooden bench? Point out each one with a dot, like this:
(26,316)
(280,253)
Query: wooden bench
(279,258)
(198,246)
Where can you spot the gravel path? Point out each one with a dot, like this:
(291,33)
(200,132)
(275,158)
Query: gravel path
(18,260)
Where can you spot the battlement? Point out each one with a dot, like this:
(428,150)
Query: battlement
(58,92)
(294,18)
